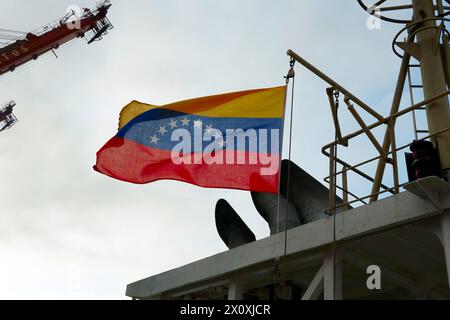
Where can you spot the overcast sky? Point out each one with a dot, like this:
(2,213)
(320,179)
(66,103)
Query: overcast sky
(67,232)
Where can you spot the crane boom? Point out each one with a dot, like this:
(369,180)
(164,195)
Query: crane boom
(49,38)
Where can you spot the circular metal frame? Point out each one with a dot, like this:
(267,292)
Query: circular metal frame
(373,12)
(413,33)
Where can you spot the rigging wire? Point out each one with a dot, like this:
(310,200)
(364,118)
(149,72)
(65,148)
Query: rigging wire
(291,74)
(277,274)
(334,225)
(334,189)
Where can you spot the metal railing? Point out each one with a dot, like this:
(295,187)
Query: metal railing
(387,151)
(331,179)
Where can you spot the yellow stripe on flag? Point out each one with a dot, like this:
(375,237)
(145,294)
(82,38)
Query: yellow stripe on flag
(132,110)
(259,103)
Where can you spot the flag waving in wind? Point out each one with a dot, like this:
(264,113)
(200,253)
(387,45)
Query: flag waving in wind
(229,141)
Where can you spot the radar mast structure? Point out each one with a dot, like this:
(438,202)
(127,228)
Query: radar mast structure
(427,41)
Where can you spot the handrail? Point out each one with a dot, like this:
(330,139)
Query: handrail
(396,115)
(375,125)
(326,179)
(390,148)
(393,190)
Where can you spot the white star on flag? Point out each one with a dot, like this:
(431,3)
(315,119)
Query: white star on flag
(185,121)
(198,123)
(162,130)
(154,139)
(173,124)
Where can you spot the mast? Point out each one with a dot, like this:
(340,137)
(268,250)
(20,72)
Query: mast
(433,77)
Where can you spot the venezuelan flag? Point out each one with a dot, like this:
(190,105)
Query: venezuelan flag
(230,141)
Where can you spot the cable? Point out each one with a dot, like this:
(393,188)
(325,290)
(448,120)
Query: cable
(291,74)
(333,189)
(334,221)
(289,164)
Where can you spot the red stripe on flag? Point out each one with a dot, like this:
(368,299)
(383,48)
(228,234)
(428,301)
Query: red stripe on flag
(132,162)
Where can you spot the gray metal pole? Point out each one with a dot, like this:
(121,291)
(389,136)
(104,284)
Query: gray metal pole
(438,112)
(433,77)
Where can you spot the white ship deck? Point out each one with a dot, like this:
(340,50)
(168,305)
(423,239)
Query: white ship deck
(406,235)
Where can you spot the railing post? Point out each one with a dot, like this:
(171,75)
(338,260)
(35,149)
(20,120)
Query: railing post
(332,190)
(391,127)
(345,187)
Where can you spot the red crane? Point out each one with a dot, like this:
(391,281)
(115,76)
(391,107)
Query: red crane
(92,25)
(54,35)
